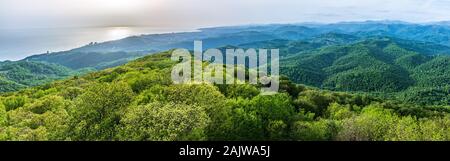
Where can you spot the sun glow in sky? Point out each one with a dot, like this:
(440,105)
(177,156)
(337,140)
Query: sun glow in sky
(36,26)
(201,13)
(73,13)
(115,33)
(122,5)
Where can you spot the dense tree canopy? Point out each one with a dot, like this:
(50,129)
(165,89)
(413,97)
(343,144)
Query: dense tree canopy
(137,101)
(164,122)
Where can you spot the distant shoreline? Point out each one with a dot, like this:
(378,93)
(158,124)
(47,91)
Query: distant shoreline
(17,44)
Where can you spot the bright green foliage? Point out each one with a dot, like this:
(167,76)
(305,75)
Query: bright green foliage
(275,107)
(25,134)
(71,93)
(141,80)
(275,111)
(2,115)
(371,125)
(137,101)
(239,91)
(21,74)
(97,112)
(45,119)
(322,130)
(435,129)
(206,96)
(164,122)
(261,118)
(406,128)
(245,124)
(339,112)
(3,122)
(79,59)
(13,102)
(153,94)
(277,130)
(377,124)
(48,103)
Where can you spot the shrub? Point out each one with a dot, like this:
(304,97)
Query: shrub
(14,102)
(164,122)
(97,112)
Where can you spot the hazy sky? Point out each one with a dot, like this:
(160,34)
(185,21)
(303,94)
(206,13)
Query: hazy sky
(196,13)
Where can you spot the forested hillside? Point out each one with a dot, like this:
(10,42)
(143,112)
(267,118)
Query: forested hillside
(382,65)
(294,47)
(22,74)
(345,81)
(110,53)
(138,101)
(41,69)
(94,60)
(406,63)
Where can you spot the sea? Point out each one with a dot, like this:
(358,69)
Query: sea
(16,44)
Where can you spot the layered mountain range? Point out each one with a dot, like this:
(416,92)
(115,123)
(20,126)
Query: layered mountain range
(410,60)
